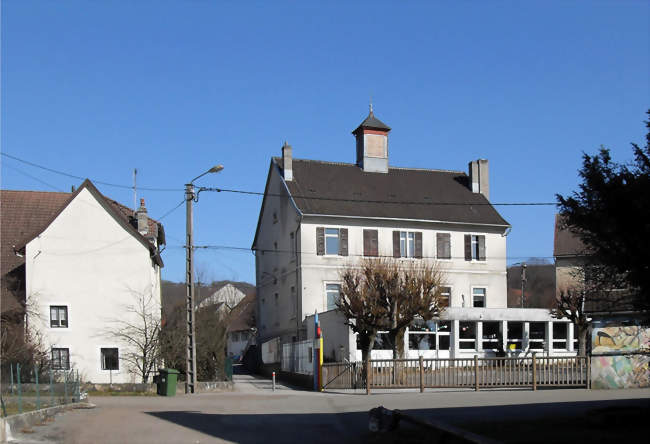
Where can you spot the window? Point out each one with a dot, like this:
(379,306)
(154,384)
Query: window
(491,335)
(277,297)
(292,245)
(407,244)
(467,335)
(474,247)
(536,335)
(560,335)
(445,296)
(478,297)
(515,335)
(422,335)
(382,342)
(110,359)
(443,328)
(443,245)
(333,292)
(370,243)
(331,241)
(61,358)
(58,316)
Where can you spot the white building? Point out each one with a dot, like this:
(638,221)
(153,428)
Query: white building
(85,261)
(318,217)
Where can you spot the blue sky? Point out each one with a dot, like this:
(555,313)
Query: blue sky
(96,89)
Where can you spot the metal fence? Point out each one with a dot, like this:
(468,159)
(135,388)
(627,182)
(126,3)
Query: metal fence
(297,357)
(460,373)
(34,389)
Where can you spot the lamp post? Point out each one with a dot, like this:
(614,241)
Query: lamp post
(190,197)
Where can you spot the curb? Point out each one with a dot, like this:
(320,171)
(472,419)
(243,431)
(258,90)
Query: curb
(28,419)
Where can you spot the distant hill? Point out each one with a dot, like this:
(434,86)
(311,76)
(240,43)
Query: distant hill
(173,293)
(540,285)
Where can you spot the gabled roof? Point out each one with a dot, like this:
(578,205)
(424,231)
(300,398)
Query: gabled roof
(26,214)
(342,189)
(565,241)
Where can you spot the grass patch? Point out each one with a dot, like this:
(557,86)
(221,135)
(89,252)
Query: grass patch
(98,393)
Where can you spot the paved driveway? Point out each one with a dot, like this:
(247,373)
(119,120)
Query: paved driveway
(255,414)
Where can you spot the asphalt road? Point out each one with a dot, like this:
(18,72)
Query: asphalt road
(255,414)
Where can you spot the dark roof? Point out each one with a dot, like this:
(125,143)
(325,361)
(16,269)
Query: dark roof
(26,214)
(342,189)
(242,317)
(371,122)
(565,241)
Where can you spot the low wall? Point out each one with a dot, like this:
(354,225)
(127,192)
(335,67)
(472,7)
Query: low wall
(620,371)
(126,387)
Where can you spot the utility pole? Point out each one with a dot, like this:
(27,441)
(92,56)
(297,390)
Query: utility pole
(523,282)
(190,367)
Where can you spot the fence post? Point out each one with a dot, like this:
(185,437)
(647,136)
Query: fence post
(368,373)
(20,390)
(421,374)
(476,372)
(588,381)
(65,388)
(38,390)
(78,387)
(534,371)
(51,390)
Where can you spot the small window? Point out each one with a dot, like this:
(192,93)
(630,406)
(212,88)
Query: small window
(61,358)
(277,298)
(478,297)
(467,335)
(560,335)
(332,241)
(474,247)
(382,342)
(333,292)
(491,335)
(537,335)
(292,246)
(58,316)
(110,359)
(407,244)
(515,335)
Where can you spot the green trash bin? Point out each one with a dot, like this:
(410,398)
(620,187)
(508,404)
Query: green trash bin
(167,381)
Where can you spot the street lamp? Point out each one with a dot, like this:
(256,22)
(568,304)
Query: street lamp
(190,197)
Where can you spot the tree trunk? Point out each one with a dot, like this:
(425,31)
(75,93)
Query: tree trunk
(366,353)
(582,340)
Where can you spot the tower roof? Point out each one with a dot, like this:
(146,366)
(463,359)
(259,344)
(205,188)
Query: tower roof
(372,122)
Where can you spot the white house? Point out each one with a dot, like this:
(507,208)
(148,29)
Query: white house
(318,217)
(228,296)
(84,261)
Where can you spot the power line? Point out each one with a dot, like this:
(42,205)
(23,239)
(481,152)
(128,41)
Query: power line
(172,210)
(394,202)
(34,178)
(318,198)
(72,176)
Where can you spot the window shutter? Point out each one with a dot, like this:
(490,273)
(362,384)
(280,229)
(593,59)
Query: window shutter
(418,244)
(443,245)
(374,242)
(481,248)
(468,247)
(396,252)
(320,241)
(343,242)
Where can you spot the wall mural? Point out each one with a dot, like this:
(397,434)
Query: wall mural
(624,360)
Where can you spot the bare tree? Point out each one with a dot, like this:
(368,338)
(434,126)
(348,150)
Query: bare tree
(570,304)
(382,294)
(139,330)
(418,295)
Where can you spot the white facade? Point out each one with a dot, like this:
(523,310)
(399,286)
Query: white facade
(87,262)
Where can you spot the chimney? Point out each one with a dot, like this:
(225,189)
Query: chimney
(372,144)
(143,219)
(479,179)
(287,166)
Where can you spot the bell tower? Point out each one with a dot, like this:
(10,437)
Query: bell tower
(372,144)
